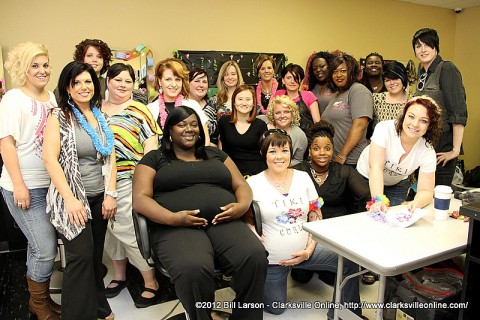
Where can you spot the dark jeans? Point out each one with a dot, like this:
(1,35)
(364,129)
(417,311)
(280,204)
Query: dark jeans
(397,193)
(444,175)
(83,290)
(189,255)
(322,259)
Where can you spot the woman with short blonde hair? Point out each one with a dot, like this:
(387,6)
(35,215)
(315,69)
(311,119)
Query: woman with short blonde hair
(24,181)
(283,114)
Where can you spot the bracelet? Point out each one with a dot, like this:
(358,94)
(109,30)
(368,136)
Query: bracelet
(343,158)
(316,204)
(382,198)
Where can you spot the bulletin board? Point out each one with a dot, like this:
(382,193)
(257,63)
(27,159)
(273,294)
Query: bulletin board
(212,61)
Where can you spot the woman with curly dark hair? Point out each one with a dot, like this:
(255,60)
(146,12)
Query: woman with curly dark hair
(349,110)
(397,149)
(317,78)
(97,54)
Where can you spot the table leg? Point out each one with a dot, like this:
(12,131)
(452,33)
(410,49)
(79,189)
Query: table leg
(381,296)
(338,288)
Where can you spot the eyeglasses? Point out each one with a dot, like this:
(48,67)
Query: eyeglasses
(272,131)
(421,82)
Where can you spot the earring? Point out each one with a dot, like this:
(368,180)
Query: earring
(160,90)
(69,100)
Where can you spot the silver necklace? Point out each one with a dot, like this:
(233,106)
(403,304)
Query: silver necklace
(266,93)
(280,186)
(317,177)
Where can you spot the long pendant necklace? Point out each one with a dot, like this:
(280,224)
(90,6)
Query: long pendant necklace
(266,93)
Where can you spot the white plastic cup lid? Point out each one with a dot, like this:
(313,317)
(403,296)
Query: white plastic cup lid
(443,189)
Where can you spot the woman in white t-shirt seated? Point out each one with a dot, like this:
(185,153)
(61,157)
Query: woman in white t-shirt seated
(287,199)
(397,149)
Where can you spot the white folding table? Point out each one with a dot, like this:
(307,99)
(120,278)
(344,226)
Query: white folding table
(389,250)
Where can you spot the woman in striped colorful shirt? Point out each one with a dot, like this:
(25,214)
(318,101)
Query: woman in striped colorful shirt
(135,131)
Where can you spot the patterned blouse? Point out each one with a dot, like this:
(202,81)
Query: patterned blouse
(131,128)
(383,110)
(224,109)
(211,113)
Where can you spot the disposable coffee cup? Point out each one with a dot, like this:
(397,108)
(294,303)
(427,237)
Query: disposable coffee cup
(441,201)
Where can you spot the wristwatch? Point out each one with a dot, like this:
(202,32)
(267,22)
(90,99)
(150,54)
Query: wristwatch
(112,194)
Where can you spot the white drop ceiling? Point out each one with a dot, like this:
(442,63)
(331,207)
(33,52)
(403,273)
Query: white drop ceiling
(449,4)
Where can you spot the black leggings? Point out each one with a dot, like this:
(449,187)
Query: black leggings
(189,255)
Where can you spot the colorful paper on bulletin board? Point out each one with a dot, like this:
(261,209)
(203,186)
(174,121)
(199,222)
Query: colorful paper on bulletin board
(2,77)
(212,61)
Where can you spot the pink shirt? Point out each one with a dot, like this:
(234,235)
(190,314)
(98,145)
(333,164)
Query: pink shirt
(307,96)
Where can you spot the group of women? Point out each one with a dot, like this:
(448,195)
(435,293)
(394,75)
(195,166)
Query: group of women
(79,157)
(67,162)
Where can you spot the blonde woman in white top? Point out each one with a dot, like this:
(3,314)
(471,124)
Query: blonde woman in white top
(24,181)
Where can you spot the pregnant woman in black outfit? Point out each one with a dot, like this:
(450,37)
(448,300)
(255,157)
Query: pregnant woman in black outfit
(194,197)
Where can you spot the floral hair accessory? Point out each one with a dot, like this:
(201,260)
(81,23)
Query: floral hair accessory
(382,198)
(316,204)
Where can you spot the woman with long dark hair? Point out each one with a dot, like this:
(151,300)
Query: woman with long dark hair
(78,154)
(317,78)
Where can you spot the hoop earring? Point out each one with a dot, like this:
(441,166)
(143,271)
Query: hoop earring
(69,100)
